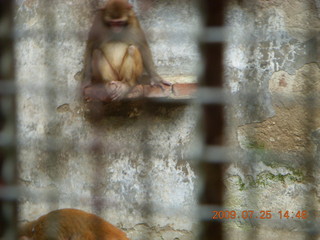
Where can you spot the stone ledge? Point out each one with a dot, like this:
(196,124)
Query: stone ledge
(175,91)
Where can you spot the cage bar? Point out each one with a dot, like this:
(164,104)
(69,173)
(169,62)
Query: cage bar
(8,161)
(212,53)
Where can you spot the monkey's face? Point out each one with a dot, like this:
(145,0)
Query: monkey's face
(116,15)
(116,23)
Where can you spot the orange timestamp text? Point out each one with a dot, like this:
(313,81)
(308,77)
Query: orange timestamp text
(263,214)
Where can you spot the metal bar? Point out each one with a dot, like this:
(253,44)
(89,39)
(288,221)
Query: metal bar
(212,53)
(214,35)
(209,35)
(215,154)
(8,173)
(49,25)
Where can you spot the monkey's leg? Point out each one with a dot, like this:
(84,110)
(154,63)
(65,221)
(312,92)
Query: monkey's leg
(117,89)
(132,66)
(102,71)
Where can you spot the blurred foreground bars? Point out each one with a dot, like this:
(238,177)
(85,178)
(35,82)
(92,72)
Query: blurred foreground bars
(8,196)
(212,77)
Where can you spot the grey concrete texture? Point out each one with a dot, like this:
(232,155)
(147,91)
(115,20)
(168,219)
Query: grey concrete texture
(271,66)
(272,61)
(130,169)
(267,37)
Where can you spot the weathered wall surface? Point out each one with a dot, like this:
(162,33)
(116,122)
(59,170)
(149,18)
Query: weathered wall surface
(273,73)
(140,179)
(272,67)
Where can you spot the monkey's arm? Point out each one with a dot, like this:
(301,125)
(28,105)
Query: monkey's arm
(87,63)
(93,42)
(148,62)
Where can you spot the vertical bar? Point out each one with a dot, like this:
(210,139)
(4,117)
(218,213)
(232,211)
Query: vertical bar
(212,54)
(311,108)
(8,178)
(53,148)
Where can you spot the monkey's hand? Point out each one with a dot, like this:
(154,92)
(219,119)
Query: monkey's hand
(156,80)
(24,238)
(95,92)
(117,90)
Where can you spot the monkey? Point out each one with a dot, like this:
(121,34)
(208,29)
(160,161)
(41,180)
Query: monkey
(70,224)
(117,51)
(121,67)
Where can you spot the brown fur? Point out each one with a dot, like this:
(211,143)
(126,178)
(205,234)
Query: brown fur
(70,224)
(117,50)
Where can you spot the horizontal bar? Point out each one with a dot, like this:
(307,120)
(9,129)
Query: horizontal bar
(208,154)
(208,95)
(83,35)
(10,193)
(203,95)
(7,140)
(226,34)
(172,100)
(7,87)
(213,35)
(215,154)
(206,35)
(205,211)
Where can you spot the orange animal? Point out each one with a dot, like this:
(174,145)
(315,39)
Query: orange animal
(70,224)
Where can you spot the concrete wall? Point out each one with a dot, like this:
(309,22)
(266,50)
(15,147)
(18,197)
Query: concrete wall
(272,65)
(273,72)
(140,179)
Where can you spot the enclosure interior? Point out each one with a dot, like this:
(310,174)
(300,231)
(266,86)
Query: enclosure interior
(131,167)
(138,169)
